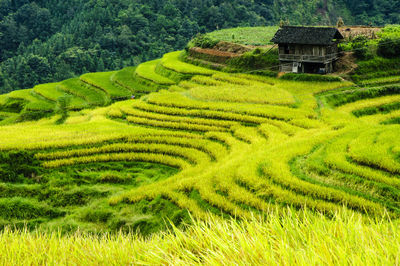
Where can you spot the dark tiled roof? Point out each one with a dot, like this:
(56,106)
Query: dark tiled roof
(307,35)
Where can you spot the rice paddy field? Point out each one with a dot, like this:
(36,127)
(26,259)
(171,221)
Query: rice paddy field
(200,167)
(246,35)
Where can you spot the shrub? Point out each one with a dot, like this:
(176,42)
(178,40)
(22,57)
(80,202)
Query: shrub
(203,41)
(310,77)
(61,108)
(377,63)
(256,59)
(389,47)
(15,165)
(360,47)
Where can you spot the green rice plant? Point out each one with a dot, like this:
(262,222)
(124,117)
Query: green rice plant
(396,149)
(286,237)
(103,82)
(250,176)
(126,78)
(246,35)
(25,95)
(245,94)
(214,149)
(336,159)
(257,78)
(272,133)
(381,109)
(279,172)
(8,118)
(84,130)
(312,169)
(356,94)
(220,115)
(3,99)
(381,118)
(310,77)
(373,148)
(306,123)
(51,92)
(6,114)
(171,61)
(233,79)
(192,155)
(32,102)
(175,118)
(172,74)
(188,84)
(176,111)
(147,71)
(390,121)
(115,113)
(173,125)
(369,103)
(176,88)
(93,96)
(245,144)
(182,102)
(202,80)
(249,135)
(222,137)
(384,65)
(380,81)
(143,157)
(226,114)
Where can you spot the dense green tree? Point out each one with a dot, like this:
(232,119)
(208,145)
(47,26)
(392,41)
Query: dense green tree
(43,40)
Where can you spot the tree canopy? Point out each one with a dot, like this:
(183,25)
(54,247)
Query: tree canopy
(44,41)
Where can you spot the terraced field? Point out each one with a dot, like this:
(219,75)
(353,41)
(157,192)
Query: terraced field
(233,144)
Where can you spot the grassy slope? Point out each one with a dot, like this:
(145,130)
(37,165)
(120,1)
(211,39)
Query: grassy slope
(246,35)
(236,156)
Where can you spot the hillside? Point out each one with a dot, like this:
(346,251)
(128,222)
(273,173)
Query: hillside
(49,41)
(205,156)
(196,141)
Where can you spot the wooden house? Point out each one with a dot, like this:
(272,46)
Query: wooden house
(307,49)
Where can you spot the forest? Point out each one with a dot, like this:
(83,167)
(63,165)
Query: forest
(44,41)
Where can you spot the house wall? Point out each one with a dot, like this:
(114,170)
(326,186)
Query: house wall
(298,49)
(304,64)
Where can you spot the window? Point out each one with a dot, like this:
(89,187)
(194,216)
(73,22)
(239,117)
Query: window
(286,48)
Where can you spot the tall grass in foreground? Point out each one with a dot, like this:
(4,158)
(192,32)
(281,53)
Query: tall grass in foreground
(288,238)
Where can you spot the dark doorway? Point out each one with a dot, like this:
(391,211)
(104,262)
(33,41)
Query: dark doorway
(314,68)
